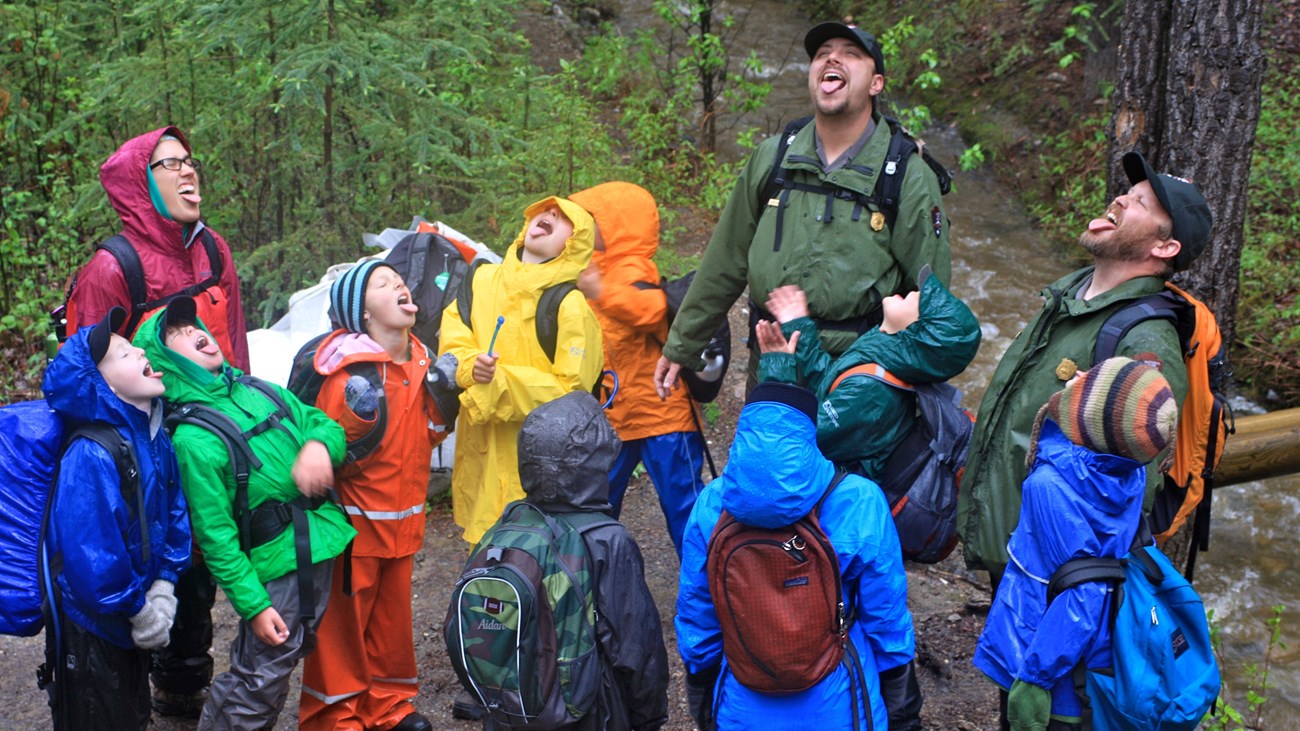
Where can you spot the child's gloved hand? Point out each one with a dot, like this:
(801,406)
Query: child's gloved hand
(162,595)
(443,372)
(361,396)
(1029,707)
(150,628)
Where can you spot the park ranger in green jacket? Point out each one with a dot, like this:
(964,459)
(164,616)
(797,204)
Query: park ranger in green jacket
(1157,228)
(821,233)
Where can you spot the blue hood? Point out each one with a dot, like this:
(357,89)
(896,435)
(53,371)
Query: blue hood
(77,391)
(785,473)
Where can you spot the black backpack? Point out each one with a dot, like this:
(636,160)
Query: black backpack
(719,343)
(547,322)
(432,268)
(305,383)
(128,259)
(889,185)
(921,476)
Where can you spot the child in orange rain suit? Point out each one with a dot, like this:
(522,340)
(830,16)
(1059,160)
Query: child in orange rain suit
(506,379)
(623,288)
(363,674)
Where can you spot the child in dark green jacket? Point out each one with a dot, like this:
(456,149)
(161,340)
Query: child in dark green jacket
(927,336)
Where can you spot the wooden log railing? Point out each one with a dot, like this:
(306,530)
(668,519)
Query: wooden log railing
(1265,445)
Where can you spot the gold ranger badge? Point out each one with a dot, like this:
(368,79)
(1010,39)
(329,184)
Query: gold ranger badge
(1066,370)
(877,221)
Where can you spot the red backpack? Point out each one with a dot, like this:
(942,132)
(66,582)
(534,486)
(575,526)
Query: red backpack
(779,600)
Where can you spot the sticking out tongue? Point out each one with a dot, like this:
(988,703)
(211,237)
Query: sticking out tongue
(191,197)
(409,307)
(1098,225)
(830,86)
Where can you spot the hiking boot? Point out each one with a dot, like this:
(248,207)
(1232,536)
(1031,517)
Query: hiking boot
(466,707)
(413,722)
(184,705)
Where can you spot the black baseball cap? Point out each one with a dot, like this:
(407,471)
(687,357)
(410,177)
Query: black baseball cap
(102,334)
(823,32)
(1183,201)
(180,311)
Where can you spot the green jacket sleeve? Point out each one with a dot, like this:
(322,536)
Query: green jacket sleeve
(1159,340)
(316,425)
(724,270)
(921,234)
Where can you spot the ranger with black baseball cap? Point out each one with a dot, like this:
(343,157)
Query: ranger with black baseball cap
(1158,227)
(819,206)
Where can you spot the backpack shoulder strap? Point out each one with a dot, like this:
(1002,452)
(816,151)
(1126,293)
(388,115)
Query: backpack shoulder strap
(776,174)
(547,321)
(128,260)
(889,185)
(835,482)
(1164,305)
(242,458)
(214,257)
(128,471)
(876,372)
(465,293)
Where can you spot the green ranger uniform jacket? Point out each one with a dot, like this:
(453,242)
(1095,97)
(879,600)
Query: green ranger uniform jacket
(843,257)
(1029,373)
(209,483)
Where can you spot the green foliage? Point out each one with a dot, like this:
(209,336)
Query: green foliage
(1227,717)
(971,158)
(1268,312)
(320,121)
(1075,161)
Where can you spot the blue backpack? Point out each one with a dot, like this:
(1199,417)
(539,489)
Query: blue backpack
(1164,675)
(32,442)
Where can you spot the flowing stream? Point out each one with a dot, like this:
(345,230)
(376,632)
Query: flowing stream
(1000,263)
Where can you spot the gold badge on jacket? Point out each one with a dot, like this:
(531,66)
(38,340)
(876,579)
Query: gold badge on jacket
(877,221)
(1066,370)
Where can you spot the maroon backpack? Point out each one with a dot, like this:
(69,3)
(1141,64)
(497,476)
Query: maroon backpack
(779,600)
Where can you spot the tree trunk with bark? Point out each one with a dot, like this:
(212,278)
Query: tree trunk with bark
(1187,97)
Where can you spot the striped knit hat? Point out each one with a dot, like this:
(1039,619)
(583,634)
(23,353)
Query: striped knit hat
(1119,406)
(348,295)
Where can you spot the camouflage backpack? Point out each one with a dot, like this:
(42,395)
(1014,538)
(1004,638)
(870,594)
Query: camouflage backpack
(520,627)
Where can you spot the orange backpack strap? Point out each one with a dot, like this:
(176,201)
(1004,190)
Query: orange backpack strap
(872,370)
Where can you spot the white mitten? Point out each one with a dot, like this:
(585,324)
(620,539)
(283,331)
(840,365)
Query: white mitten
(150,628)
(162,595)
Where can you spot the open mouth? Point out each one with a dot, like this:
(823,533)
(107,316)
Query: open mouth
(831,81)
(405,304)
(1111,217)
(189,192)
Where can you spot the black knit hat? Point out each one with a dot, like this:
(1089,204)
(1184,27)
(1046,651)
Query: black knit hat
(784,393)
(102,334)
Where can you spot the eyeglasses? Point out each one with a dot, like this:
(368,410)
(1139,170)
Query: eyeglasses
(174,163)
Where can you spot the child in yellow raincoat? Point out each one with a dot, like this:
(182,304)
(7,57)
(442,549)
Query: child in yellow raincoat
(507,374)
